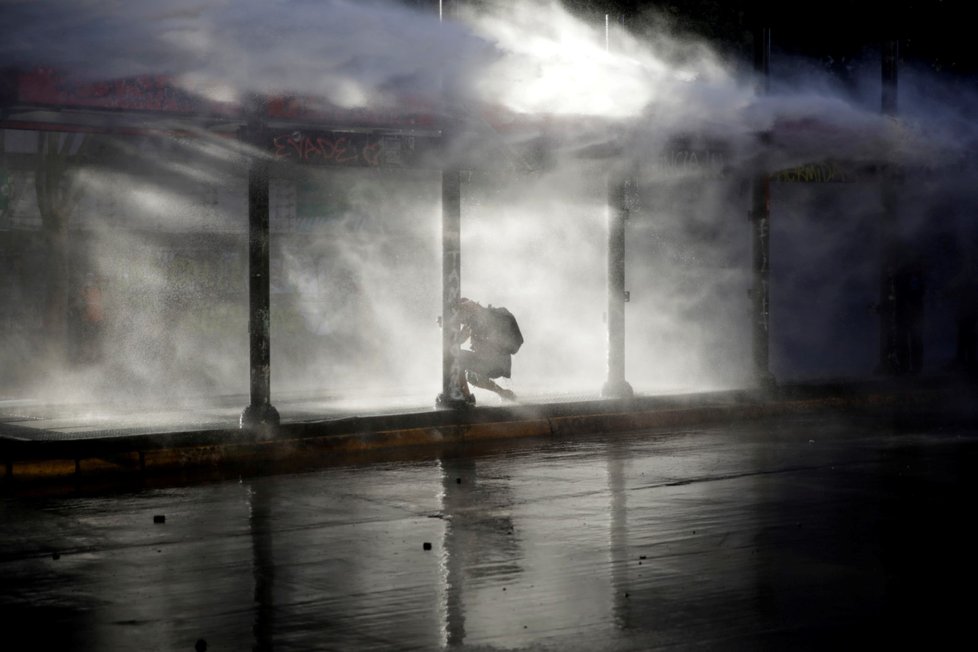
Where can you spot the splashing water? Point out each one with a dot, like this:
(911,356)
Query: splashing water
(356,295)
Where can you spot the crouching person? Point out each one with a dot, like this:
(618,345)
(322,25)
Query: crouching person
(494,337)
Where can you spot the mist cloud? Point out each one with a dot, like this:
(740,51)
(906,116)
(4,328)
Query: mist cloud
(356,290)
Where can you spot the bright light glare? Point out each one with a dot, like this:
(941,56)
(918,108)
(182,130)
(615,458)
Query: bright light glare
(554,63)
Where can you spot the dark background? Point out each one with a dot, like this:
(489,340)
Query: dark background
(938,34)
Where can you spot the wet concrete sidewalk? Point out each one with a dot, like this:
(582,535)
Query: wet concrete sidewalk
(828,530)
(99,445)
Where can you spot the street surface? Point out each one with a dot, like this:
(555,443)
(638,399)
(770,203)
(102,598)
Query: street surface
(794,533)
(38,421)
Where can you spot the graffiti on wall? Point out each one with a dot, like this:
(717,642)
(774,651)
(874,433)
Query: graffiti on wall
(347,149)
(703,163)
(825,172)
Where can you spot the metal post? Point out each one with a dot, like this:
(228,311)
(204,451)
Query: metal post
(260,413)
(616,385)
(617,206)
(890,360)
(447,9)
(761,271)
(888,99)
(451,224)
(760,215)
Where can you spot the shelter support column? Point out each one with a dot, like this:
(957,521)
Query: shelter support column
(760,218)
(760,287)
(890,360)
(451,228)
(260,413)
(616,386)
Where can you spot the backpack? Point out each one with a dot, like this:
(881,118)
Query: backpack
(504,331)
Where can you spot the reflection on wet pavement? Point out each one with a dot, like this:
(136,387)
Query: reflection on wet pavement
(794,534)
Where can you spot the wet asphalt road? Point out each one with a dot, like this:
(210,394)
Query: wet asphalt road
(800,533)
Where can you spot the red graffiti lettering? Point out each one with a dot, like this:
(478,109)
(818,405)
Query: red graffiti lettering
(345,153)
(311,148)
(279,143)
(296,144)
(371,154)
(341,150)
(328,147)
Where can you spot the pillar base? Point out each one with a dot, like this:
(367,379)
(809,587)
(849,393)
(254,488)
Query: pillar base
(454,403)
(259,417)
(617,389)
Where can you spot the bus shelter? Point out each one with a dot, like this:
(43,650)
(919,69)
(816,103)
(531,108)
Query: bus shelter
(278,132)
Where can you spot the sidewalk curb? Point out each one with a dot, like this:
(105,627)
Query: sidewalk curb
(303,446)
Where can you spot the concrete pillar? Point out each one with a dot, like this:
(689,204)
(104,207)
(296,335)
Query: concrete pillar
(260,413)
(451,224)
(616,386)
(891,362)
(760,215)
(889,65)
(760,286)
